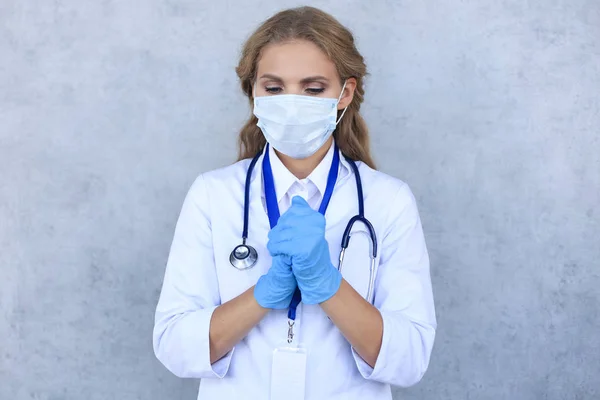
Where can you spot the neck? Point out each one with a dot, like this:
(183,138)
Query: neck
(301,169)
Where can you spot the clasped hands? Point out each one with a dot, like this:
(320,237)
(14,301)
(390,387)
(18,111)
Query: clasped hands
(300,259)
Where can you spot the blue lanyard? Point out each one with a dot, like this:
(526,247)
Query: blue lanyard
(273,207)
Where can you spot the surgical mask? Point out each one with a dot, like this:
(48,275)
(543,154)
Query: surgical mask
(296,125)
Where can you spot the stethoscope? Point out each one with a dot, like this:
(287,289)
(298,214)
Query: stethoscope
(245,256)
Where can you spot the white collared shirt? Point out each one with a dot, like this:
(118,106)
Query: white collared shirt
(199,278)
(311,189)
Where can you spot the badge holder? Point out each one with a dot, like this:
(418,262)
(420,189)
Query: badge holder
(288,375)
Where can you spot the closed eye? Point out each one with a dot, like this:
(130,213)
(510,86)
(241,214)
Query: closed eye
(273,89)
(315,91)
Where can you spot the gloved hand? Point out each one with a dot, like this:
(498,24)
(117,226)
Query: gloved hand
(276,288)
(300,234)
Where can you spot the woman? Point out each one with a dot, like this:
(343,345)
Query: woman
(235,321)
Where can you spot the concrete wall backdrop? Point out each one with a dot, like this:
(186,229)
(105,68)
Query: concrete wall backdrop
(488,109)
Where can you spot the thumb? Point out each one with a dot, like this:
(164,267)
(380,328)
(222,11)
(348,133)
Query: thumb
(299,201)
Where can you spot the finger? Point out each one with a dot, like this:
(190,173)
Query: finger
(297,232)
(298,201)
(295,213)
(284,226)
(302,218)
(287,260)
(282,263)
(281,233)
(299,205)
(277,248)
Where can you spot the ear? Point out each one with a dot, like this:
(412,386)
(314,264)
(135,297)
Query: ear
(347,94)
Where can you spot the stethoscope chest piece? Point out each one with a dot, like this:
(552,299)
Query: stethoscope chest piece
(243,256)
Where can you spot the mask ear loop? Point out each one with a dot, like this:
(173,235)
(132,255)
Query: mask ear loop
(340,98)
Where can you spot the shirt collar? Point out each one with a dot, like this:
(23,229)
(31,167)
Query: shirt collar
(320,174)
(284,179)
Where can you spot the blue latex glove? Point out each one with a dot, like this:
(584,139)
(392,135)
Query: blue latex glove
(276,288)
(300,234)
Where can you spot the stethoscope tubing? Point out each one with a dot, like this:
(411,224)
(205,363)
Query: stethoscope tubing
(247,197)
(345,237)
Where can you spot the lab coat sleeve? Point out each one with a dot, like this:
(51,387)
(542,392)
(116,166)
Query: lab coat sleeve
(404,297)
(189,294)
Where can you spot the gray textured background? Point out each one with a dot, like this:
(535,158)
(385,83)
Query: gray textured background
(488,109)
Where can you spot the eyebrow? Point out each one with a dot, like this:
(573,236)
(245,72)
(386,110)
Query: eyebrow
(304,80)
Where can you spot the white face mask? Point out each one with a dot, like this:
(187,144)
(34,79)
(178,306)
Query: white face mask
(296,125)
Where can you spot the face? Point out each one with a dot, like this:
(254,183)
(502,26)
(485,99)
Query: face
(301,68)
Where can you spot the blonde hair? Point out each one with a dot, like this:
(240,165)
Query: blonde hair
(337,42)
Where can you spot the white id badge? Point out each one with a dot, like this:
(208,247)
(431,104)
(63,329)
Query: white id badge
(288,375)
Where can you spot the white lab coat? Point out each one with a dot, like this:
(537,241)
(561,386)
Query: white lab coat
(199,277)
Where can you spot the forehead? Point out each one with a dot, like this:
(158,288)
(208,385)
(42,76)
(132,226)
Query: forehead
(295,61)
